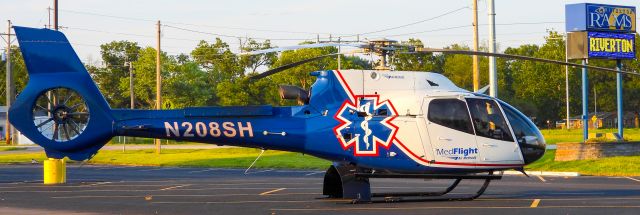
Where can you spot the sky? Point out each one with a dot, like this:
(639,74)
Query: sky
(89,23)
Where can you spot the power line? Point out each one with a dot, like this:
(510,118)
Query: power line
(233,36)
(463,26)
(413,23)
(108,16)
(190,24)
(432,30)
(129,34)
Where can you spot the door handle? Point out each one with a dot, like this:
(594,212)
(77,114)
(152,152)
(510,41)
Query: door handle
(489,145)
(443,138)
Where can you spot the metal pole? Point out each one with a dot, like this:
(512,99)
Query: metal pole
(585,104)
(493,77)
(339,38)
(131,85)
(158,84)
(566,79)
(476,73)
(55,14)
(131,95)
(619,98)
(9,81)
(49,17)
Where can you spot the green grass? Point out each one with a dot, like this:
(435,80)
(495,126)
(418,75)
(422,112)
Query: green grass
(611,166)
(242,158)
(553,136)
(142,140)
(223,157)
(11,148)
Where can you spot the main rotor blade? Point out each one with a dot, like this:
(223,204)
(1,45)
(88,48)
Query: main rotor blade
(291,65)
(519,57)
(303,46)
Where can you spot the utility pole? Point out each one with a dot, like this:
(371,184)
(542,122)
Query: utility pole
(158,84)
(133,98)
(131,95)
(9,79)
(493,76)
(55,14)
(476,73)
(339,38)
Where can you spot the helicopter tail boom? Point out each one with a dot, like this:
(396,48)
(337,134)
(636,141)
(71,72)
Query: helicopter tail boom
(60,108)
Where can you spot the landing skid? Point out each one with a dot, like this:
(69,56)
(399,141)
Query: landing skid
(348,182)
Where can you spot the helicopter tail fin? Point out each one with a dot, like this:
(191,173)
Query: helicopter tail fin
(61,108)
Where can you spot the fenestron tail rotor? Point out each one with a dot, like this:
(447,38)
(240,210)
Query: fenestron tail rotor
(60,114)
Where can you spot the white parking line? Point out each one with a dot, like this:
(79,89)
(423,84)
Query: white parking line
(204,170)
(630,178)
(313,173)
(266,170)
(174,187)
(99,183)
(541,178)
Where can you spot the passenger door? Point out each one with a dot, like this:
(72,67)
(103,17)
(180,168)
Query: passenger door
(493,135)
(451,132)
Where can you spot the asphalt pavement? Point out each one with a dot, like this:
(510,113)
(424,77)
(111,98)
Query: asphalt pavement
(171,190)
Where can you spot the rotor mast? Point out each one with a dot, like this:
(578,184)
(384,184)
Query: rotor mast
(382,48)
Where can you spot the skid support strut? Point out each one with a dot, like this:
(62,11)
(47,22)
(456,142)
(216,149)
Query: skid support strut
(350,182)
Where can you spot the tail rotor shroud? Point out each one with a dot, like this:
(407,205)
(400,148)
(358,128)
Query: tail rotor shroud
(60,114)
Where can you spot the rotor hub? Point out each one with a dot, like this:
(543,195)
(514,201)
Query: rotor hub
(61,113)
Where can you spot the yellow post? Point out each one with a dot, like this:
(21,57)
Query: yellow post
(55,171)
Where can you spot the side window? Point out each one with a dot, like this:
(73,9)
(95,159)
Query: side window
(450,113)
(488,119)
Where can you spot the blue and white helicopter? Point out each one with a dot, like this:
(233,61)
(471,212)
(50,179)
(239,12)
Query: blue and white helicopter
(369,123)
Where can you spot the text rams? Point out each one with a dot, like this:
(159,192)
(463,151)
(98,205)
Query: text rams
(210,129)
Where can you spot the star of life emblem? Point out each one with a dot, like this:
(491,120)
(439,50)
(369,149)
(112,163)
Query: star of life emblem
(366,124)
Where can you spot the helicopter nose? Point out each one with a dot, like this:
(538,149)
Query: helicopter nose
(532,149)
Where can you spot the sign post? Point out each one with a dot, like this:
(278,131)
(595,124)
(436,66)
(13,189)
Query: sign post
(597,31)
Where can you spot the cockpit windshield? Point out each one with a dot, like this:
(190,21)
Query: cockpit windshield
(488,120)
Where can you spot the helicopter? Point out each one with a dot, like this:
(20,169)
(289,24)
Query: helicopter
(369,123)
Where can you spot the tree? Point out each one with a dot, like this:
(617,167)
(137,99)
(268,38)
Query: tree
(145,78)
(416,62)
(19,70)
(186,85)
(459,68)
(114,56)
(253,62)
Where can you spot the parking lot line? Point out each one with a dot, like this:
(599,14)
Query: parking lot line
(272,191)
(535,203)
(313,173)
(630,178)
(174,187)
(99,183)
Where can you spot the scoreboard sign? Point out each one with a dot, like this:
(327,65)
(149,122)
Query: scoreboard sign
(598,17)
(611,45)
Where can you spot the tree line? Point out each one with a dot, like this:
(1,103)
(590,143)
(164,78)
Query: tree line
(213,75)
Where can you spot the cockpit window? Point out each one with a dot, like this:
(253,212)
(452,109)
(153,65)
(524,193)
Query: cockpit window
(450,113)
(488,120)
